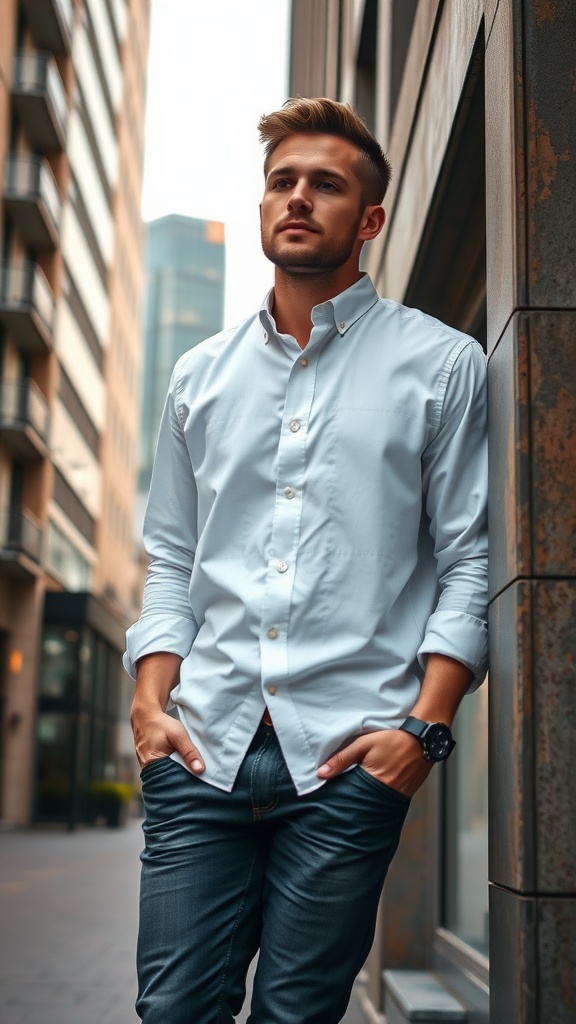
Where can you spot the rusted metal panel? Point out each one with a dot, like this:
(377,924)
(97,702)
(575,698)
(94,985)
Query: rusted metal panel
(509,455)
(554,685)
(532,941)
(532,396)
(549,81)
(532,839)
(552,338)
(530,165)
(511,748)
(513,974)
(556,975)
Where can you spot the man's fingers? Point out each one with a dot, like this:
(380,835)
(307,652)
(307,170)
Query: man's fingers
(351,754)
(181,742)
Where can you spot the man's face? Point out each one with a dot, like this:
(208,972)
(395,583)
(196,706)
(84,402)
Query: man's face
(312,207)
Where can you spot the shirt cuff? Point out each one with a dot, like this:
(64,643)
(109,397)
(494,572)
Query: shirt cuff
(460,636)
(153,634)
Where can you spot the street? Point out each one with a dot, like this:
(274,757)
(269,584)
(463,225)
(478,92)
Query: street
(68,906)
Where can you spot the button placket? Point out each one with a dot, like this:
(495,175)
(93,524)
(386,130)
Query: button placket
(291,467)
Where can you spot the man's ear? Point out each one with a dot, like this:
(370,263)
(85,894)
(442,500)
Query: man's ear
(372,223)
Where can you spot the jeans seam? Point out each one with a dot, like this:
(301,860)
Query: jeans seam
(256,810)
(234,930)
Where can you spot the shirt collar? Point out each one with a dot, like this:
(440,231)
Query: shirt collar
(343,310)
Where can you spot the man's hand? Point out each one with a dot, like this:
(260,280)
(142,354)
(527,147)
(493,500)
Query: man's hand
(396,757)
(392,756)
(156,734)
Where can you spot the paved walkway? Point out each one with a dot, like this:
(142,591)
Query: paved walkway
(68,908)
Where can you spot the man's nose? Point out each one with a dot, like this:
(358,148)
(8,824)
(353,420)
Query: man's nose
(300,198)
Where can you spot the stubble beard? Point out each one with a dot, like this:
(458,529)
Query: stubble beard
(298,264)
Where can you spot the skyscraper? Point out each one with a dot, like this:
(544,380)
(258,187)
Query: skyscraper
(184,305)
(72,85)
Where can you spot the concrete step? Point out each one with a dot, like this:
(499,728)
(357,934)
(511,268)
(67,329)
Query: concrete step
(419,996)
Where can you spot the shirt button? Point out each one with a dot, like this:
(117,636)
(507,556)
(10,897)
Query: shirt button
(289,492)
(342,325)
(295,426)
(265,335)
(281,566)
(272,690)
(303,362)
(273,633)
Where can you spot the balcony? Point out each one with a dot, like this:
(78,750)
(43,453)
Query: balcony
(20,542)
(26,305)
(23,419)
(32,199)
(39,99)
(51,22)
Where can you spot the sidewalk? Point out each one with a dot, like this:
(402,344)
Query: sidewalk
(68,906)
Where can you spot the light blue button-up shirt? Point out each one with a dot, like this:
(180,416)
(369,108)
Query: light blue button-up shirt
(316,526)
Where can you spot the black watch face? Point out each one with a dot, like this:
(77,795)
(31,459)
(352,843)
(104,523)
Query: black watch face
(438,741)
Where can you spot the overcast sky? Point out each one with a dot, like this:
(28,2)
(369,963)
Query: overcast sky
(215,66)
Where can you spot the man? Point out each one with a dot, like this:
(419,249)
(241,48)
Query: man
(315,604)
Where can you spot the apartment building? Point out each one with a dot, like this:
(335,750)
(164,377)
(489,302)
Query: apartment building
(72,87)
(474,104)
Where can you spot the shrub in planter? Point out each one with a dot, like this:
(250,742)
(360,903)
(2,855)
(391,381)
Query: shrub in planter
(110,800)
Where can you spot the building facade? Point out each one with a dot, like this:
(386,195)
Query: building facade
(185,259)
(474,104)
(72,85)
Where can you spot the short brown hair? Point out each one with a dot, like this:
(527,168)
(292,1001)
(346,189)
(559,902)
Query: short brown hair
(327,117)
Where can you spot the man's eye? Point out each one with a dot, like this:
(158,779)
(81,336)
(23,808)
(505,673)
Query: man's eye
(327,186)
(281,183)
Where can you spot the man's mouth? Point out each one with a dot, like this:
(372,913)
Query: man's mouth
(297,225)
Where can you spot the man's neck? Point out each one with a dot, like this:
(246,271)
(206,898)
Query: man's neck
(294,299)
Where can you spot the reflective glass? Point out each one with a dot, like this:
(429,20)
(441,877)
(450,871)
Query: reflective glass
(466,862)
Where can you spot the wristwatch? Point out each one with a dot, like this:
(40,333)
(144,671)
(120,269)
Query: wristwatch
(435,738)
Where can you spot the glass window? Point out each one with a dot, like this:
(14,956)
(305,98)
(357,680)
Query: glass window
(59,676)
(466,863)
(66,561)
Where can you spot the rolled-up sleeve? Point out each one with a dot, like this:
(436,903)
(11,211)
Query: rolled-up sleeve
(166,622)
(455,482)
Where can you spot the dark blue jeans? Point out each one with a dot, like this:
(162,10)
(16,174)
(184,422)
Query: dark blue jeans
(226,874)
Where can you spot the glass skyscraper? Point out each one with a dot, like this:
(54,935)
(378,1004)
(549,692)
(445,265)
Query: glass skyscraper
(184,305)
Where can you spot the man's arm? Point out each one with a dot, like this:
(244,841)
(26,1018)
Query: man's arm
(454,481)
(156,734)
(163,635)
(167,621)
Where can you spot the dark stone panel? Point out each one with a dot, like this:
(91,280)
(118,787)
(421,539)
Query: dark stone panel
(552,346)
(511,751)
(554,646)
(509,470)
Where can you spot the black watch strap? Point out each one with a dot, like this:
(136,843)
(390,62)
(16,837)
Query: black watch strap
(414,726)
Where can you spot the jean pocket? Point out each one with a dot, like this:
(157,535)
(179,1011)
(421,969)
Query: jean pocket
(151,766)
(385,789)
